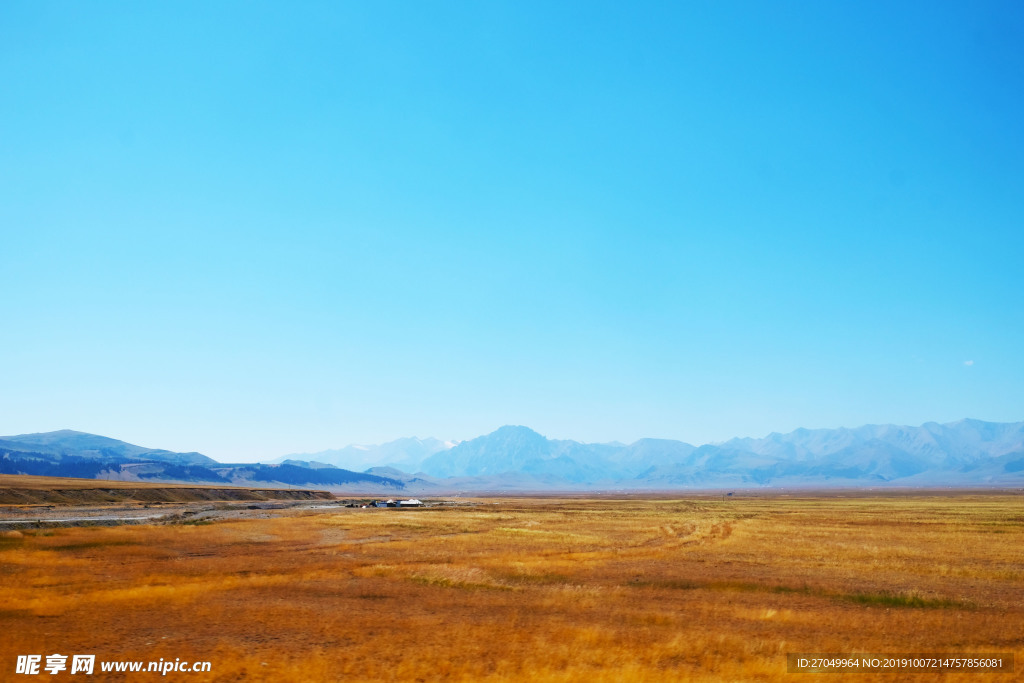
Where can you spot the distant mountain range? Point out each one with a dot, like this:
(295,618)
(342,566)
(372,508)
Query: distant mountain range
(404,454)
(514,458)
(68,453)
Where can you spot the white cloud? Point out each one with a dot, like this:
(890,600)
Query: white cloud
(968,363)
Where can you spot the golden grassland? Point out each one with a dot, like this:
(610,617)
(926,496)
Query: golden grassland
(530,589)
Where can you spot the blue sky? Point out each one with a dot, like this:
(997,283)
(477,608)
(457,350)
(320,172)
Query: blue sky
(252,228)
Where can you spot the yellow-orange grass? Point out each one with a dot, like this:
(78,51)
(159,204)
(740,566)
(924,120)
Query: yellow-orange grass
(595,590)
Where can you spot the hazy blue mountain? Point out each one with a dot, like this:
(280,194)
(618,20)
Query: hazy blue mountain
(412,483)
(941,445)
(522,450)
(311,464)
(293,475)
(640,456)
(967,452)
(68,442)
(511,449)
(946,444)
(508,449)
(406,454)
(516,458)
(76,454)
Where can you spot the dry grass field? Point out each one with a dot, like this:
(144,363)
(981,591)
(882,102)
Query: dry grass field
(529,589)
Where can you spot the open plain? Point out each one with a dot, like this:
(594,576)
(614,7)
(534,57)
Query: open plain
(540,589)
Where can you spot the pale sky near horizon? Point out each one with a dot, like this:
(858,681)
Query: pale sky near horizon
(257,228)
